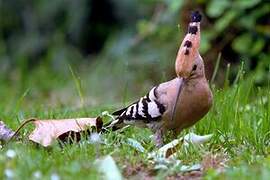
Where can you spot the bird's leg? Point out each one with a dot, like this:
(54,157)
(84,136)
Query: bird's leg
(170,136)
(174,135)
(158,138)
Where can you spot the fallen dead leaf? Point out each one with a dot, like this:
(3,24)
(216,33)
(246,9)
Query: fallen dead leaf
(166,157)
(169,150)
(196,139)
(47,131)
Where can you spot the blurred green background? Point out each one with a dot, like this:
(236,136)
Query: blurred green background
(95,52)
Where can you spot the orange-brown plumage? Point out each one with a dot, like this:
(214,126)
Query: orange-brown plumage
(178,103)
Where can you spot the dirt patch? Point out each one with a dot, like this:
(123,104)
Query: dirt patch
(138,171)
(194,175)
(214,161)
(143,171)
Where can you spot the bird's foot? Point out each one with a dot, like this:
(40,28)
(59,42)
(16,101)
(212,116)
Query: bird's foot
(158,138)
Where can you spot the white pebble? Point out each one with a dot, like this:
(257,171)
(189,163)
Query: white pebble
(9,173)
(95,138)
(10,153)
(55,176)
(37,175)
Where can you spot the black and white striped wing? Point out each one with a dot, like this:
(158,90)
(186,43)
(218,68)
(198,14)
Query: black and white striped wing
(147,109)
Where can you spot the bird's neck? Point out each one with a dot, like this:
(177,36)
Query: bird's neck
(190,84)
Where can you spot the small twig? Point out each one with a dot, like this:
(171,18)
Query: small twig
(216,69)
(20,127)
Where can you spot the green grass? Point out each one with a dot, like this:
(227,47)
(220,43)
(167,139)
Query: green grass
(239,121)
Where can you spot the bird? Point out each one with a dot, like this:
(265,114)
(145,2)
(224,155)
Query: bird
(178,103)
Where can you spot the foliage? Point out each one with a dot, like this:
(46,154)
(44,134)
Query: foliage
(66,59)
(241,138)
(240,31)
(42,33)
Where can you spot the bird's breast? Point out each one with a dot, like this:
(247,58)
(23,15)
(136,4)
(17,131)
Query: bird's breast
(195,100)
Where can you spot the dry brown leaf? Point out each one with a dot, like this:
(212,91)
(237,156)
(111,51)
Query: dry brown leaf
(171,148)
(47,131)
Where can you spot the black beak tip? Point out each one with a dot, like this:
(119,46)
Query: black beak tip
(196,16)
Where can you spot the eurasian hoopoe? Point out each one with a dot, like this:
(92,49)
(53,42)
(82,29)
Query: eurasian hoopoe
(178,103)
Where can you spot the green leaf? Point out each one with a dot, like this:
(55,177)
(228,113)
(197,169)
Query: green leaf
(244,4)
(142,26)
(248,21)
(216,8)
(135,144)
(242,43)
(205,41)
(174,5)
(257,46)
(225,20)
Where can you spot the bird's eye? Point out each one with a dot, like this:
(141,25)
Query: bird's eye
(194,67)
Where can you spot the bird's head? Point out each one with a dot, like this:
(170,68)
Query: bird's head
(189,49)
